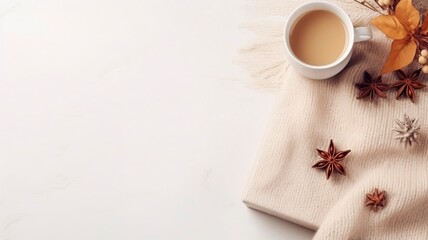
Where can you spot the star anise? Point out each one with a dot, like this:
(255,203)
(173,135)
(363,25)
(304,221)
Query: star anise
(331,160)
(371,87)
(376,199)
(407,84)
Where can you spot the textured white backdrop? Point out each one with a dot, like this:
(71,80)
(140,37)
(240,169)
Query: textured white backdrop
(127,120)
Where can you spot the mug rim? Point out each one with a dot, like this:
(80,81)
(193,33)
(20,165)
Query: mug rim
(333,8)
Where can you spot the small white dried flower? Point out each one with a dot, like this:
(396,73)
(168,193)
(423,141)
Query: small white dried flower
(425,69)
(422,60)
(407,130)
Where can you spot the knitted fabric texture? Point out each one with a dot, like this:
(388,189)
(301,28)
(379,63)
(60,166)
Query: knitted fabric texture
(311,112)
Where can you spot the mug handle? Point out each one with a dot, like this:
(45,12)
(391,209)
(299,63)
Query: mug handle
(362,34)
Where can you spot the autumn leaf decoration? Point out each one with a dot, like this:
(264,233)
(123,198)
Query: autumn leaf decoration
(404,28)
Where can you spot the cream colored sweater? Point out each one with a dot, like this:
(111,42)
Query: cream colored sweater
(309,113)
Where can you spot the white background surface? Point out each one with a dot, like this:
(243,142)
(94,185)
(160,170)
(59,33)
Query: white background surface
(128,120)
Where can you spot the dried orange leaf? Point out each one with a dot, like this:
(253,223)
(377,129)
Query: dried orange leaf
(424,27)
(402,54)
(390,25)
(408,15)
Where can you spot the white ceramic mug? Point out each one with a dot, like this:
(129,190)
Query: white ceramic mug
(357,34)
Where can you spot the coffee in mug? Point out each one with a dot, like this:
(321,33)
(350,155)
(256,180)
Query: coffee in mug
(318,38)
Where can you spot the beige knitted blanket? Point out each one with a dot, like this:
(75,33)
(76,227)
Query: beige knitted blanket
(309,113)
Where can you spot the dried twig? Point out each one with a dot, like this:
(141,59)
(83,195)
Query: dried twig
(370,6)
